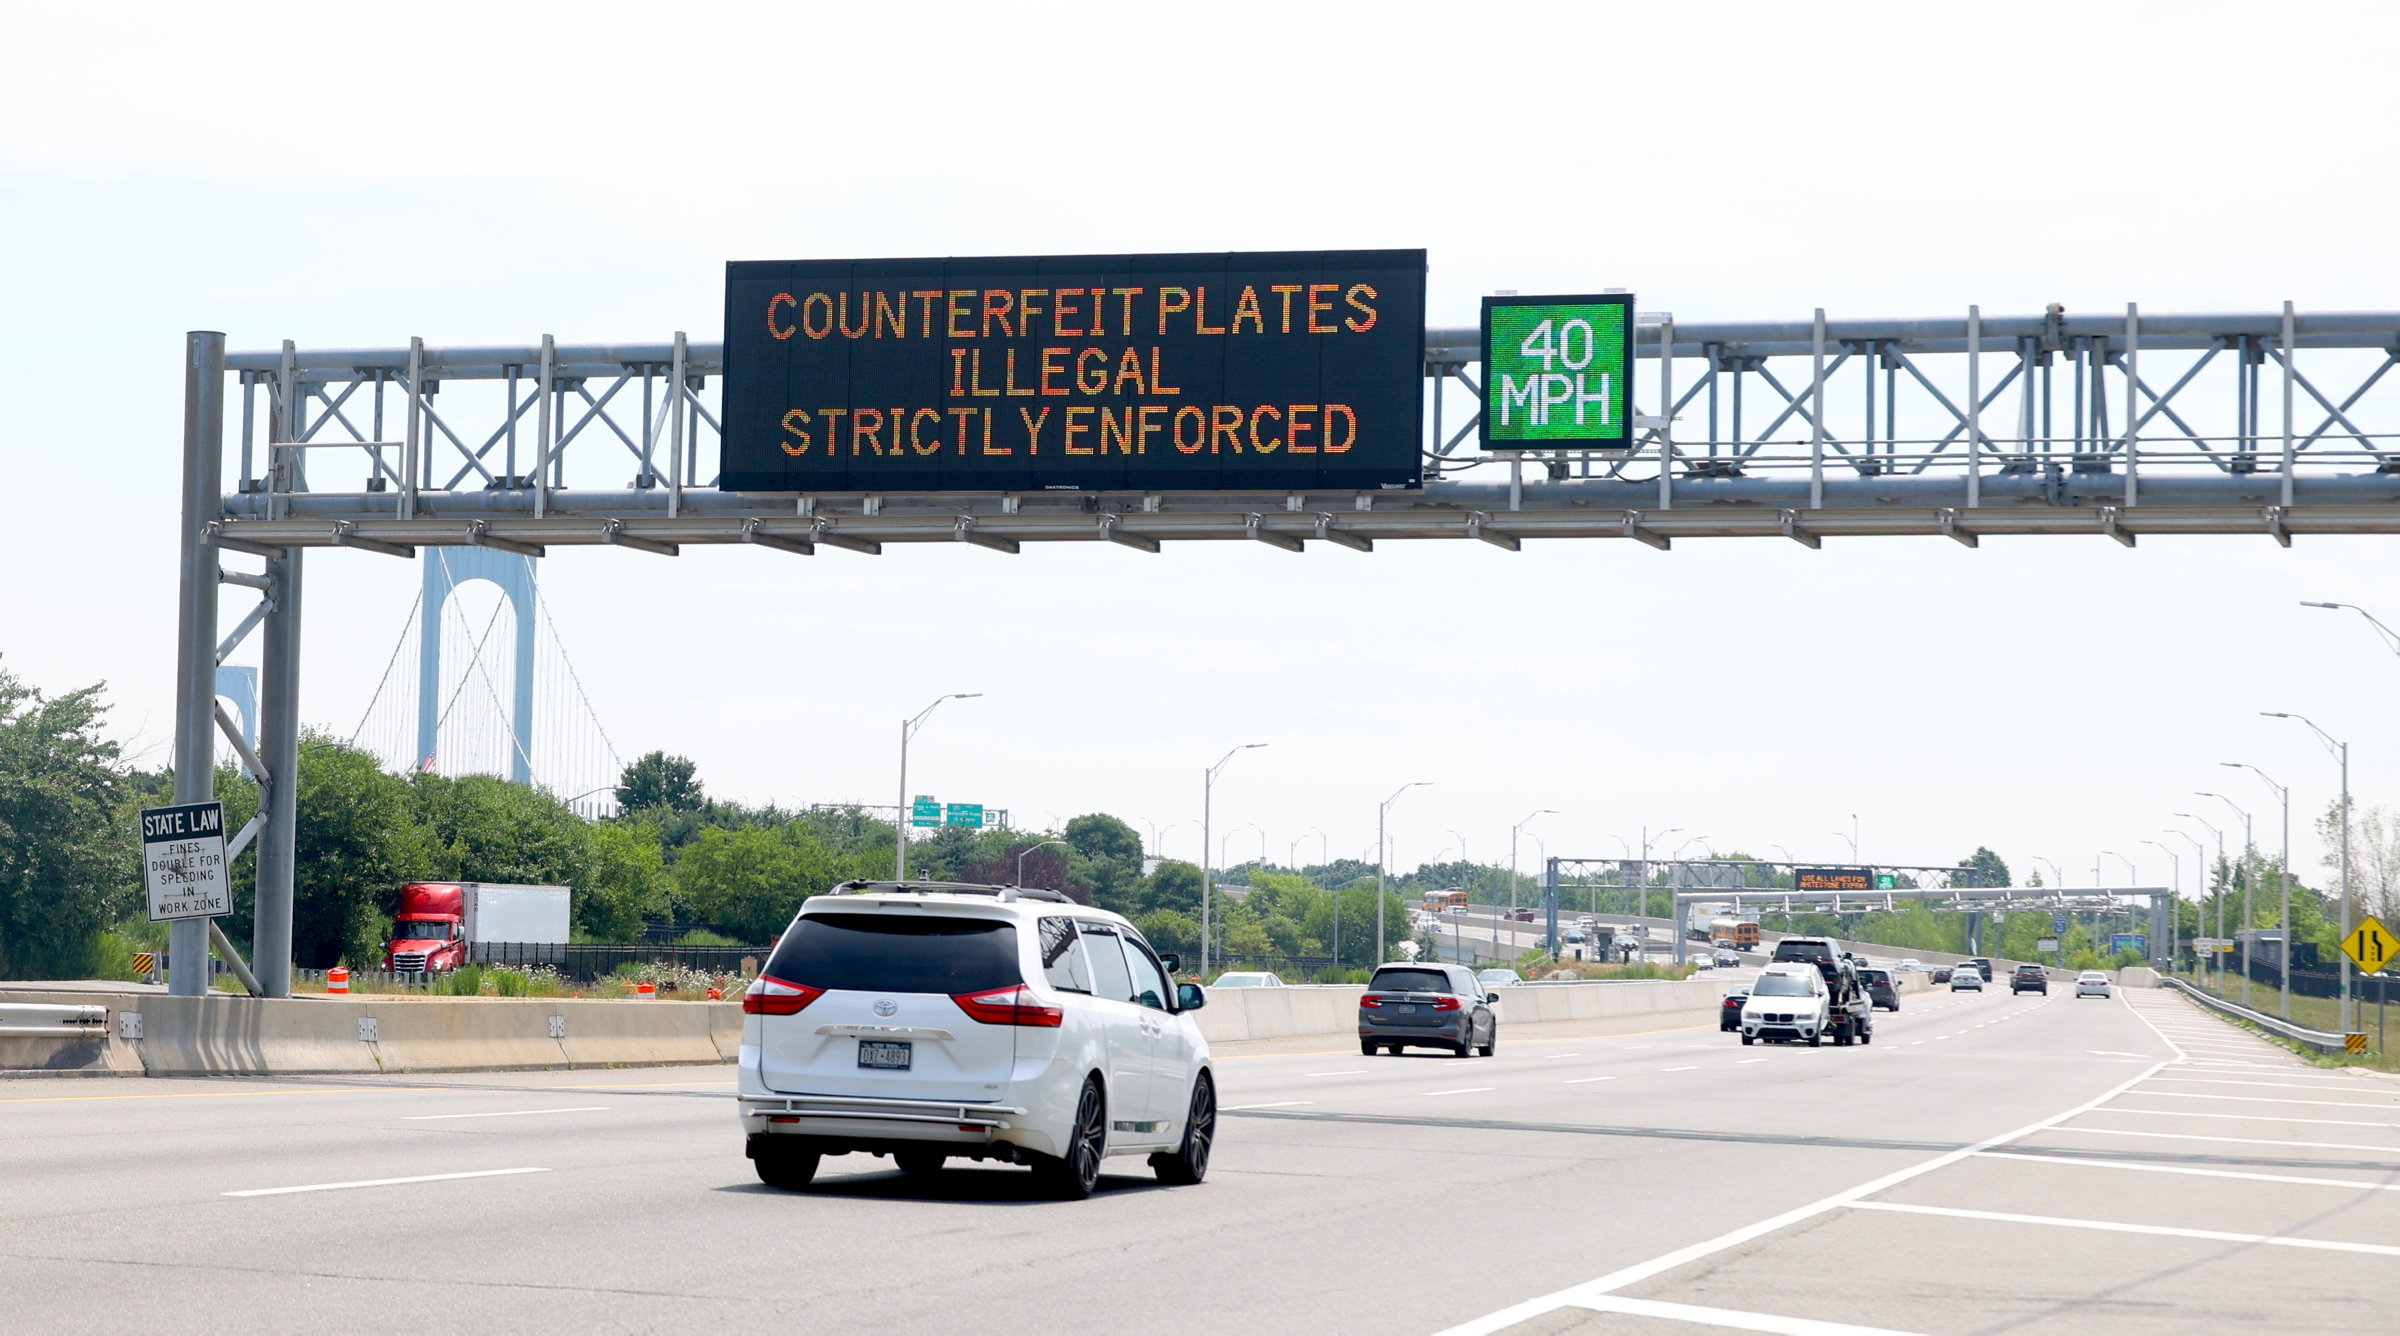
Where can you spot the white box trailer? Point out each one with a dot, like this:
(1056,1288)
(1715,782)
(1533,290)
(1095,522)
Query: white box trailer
(534,915)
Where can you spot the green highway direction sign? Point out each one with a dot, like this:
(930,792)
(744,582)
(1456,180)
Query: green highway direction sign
(924,812)
(969,815)
(1886,881)
(1555,372)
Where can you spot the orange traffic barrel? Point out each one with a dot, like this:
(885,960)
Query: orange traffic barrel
(337,980)
(649,990)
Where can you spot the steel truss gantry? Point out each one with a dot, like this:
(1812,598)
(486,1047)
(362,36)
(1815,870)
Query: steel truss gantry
(2159,901)
(1959,426)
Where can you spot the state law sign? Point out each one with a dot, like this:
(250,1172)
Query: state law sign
(183,861)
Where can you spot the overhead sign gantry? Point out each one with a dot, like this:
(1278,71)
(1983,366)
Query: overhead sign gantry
(1276,398)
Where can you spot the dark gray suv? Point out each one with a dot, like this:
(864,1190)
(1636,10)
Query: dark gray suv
(1429,1006)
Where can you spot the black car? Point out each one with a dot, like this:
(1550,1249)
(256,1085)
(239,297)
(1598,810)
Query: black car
(1427,1006)
(2029,979)
(1880,989)
(1729,1013)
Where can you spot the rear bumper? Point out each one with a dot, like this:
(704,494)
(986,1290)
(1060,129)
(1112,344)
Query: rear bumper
(840,1122)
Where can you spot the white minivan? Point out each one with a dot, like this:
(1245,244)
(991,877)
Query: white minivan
(925,1020)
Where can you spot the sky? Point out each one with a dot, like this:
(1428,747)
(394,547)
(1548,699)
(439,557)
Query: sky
(480,174)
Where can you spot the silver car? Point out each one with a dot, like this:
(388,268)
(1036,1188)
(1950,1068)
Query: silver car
(1964,978)
(2091,983)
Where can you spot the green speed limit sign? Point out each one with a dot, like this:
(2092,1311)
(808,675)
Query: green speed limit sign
(1555,371)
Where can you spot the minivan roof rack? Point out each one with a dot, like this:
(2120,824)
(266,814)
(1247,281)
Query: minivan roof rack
(1003,893)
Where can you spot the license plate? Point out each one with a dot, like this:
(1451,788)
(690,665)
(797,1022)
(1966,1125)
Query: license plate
(886,1054)
(1407,1008)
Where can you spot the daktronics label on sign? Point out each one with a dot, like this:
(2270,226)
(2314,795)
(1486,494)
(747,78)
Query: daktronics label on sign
(1555,371)
(1249,370)
(1831,879)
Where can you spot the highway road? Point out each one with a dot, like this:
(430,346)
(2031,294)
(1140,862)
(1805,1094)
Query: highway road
(1989,1164)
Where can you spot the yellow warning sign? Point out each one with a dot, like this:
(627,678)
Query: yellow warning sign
(145,962)
(2354,1043)
(2371,946)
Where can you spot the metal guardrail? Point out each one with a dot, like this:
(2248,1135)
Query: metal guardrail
(41,1021)
(2320,1040)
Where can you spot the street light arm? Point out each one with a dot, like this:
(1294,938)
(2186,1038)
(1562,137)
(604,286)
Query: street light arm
(2390,637)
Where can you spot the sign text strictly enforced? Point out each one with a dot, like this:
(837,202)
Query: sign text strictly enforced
(1245,370)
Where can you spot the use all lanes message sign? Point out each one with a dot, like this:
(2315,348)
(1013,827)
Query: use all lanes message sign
(1259,370)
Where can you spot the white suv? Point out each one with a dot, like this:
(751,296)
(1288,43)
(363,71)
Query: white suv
(929,1019)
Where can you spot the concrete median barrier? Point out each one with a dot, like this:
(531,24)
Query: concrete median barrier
(621,1034)
(159,1035)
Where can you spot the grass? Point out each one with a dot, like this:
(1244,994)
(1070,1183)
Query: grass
(2317,1013)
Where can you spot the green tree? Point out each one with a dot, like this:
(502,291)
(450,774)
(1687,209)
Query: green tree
(1106,858)
(66,861)
(493,830)
(750,881)
(619,882)
(1175,886)
(1985,864)
(357,837)
(659,780)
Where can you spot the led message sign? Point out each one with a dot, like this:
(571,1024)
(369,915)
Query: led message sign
(1554,372)
(1830,879)
(1249,370)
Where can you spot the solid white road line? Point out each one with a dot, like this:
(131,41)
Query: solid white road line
(2351,1082)
(1279,1104)
(1505,1318)
(2245,1117)
(504,1113)
(2080,1163)
(2261,1099)
(2118,1227)
(2238,1141)
(380,1182)
(1728,1318)
(1465,1090)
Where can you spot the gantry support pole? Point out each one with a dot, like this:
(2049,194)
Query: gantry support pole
(279,749)
(196,622)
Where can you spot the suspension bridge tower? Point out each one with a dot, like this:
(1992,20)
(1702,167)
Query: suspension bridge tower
(446,568)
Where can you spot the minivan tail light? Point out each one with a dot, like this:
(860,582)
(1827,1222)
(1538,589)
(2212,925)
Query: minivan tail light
(1445,1004)
(1369,1002)
(770,996)
(1012,1005)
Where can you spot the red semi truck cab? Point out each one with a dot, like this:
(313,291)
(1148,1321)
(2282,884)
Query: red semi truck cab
(430,934)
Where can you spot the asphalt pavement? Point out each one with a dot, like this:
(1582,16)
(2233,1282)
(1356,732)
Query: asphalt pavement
(1988,1164)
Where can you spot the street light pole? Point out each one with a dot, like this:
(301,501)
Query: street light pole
(1021,857)
(1381,847)
(2177,860)
(2283,876)
(2249,876)
(2218,894)
(908,729)
(2341,749)
(1513,832)
(1208,797)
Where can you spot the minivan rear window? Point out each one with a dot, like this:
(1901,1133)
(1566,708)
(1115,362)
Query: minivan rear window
(898,953)
(1410,981)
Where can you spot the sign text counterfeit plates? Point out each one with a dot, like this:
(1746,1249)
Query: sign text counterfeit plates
(183,861)
(1286,370)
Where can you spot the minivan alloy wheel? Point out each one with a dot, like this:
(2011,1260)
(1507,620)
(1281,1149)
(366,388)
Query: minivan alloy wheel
(1189,1163)
(1078,1172)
